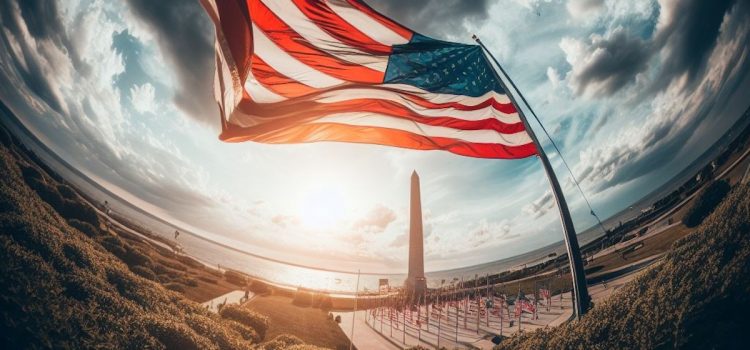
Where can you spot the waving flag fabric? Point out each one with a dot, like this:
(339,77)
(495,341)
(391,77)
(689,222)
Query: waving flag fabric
(294,71)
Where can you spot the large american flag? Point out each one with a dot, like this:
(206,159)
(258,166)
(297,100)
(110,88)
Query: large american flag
(294,71)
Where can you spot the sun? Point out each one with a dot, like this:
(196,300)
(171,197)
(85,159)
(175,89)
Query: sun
(323,207)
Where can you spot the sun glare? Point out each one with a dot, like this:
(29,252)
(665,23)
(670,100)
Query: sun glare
(322,207)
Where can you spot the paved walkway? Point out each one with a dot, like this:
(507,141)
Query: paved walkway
(233,297)
(365,338)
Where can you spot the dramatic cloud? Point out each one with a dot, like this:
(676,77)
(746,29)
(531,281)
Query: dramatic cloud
(436,18)
(604,65)
(673,74)
(185,36)
(687,32)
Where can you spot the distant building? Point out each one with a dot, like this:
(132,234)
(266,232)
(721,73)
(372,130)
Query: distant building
(416,282)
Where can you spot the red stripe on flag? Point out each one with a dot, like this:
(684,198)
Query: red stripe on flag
(299,48)
(399,29)
(277,82)
(300,112)
(307,133)
(325,18)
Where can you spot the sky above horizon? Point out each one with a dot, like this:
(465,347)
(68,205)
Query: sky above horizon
(631,91)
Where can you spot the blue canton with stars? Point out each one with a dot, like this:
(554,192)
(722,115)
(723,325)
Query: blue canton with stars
(441,67)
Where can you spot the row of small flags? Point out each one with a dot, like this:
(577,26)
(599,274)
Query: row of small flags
(396,304)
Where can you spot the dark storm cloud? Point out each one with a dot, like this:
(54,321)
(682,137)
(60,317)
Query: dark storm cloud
(690,36)
(614,63)
(435,17)
(688,33)
(42,20)
(684,42)
(184,34)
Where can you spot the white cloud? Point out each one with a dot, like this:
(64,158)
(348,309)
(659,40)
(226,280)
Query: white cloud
(143,98)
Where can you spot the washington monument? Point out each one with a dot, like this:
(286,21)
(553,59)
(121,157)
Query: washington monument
(415,281)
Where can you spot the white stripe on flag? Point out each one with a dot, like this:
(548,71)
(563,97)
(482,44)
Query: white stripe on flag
(365,93)
(384,121)
(260,93)
(448,98)
(289,66)
(369,26)
(306,27)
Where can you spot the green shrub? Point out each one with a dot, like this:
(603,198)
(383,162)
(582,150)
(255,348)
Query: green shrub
(66,192)
(706,202)
(174,335)
(189,261)
(221,336)
(74,209)
(208,279)
(188,281)
(244,331)
(259,287)
(133,256)
(172,264)
(85,227)
(235,277)
(281,342)
(244,316)
(303,298)
(175,286)
(144,272)
(326,303)
(77,256)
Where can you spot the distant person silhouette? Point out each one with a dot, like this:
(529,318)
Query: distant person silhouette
(176,234)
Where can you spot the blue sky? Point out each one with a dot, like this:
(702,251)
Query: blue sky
(632,91)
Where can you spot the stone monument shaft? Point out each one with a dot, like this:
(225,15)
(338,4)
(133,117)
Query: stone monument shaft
(416,280)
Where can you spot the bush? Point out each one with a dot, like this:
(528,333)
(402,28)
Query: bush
(188,281)
(235,277)
(74,209)
(706,202)
(222,336)
(303,298)
(281,342)
(244,331)
(177,287)
(174,335)
(244,316)
(173,264)
(259,287)
(208,279)
(189,261)
(85,227)
(67,192)
(133,256)
(144,272)
(326,303)
(77,256)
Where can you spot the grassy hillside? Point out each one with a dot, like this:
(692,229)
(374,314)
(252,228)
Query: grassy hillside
(699,297)
(64,282)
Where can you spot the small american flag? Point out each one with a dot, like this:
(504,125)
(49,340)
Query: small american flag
(296,71)
(544,293)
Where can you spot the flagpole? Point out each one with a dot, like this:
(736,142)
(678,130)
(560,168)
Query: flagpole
(356,291)
(581,299)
